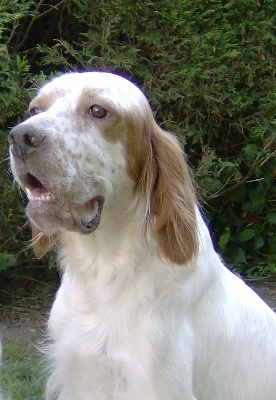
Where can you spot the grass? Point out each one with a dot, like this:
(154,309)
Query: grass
(22,373)
(22,299)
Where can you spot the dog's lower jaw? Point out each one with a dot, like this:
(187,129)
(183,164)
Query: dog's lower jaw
(50,215)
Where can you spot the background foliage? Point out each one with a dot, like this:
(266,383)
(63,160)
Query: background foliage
(208,68)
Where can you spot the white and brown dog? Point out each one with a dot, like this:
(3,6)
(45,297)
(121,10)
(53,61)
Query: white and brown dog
(146,310)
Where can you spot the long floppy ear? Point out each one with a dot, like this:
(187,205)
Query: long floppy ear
(41,243)
(171,200)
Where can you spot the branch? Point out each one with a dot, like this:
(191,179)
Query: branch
(35,18)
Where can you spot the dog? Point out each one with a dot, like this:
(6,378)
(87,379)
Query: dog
(146,309)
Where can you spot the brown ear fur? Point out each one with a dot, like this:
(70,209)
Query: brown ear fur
(41,243)
(171,199)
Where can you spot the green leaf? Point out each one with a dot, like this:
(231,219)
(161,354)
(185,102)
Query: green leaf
(6,260)
(224,239)
(239,255)
(256,196)
(258,242)
(272,218)
(231,54)
(272,243)
(272,268)
(238,194)
(229,164)
(250,150)
(248,206)
(246,235)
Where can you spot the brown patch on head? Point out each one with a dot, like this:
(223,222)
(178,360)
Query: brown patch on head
(119,126)
(112,126)
(42,101)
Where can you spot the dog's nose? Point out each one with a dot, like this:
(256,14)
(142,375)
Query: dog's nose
(25,139)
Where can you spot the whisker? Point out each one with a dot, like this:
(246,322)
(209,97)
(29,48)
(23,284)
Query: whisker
(5,160)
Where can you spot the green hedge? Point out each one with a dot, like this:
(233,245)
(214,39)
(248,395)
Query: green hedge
(208,68)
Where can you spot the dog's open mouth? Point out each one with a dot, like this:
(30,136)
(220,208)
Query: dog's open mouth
(50,214)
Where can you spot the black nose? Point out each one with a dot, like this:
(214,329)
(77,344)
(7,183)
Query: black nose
(26,139)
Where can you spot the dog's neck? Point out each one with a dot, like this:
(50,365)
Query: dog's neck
(114,246)
(101,265)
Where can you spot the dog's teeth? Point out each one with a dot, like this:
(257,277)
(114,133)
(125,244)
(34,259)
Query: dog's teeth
(40,198)
(28,191)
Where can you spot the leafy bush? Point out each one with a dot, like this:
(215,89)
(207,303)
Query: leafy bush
(208,68)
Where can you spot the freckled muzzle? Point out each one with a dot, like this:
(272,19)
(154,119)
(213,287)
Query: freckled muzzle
(47,211)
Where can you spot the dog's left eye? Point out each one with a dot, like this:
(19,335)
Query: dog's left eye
(98,111)
(34,111)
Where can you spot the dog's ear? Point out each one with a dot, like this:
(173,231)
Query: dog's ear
(41,243)
(170,198)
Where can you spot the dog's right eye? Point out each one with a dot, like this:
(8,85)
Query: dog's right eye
(98,111)
(34,111)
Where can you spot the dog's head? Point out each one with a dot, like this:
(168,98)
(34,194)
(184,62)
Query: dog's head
(90,144)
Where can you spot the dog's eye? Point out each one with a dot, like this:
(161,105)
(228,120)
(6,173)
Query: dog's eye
(34,111)
(98,111)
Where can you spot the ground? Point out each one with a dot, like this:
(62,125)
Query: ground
(24,329)
(25,305)
(24,319)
